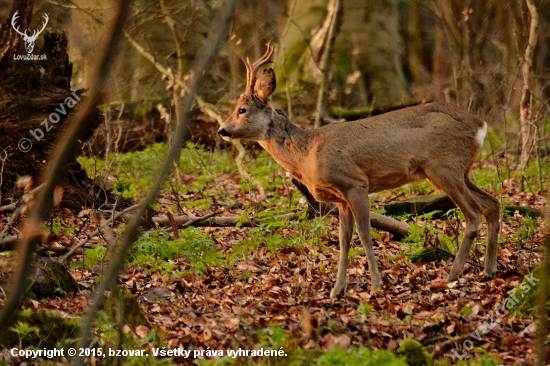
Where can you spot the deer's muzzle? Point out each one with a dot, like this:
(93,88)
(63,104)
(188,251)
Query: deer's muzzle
(224,133)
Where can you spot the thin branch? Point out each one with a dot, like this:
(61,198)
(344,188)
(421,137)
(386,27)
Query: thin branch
(85,241)
(283,48)
(191,222)
(3,160)
(451,255)
(8,242)
(20,208)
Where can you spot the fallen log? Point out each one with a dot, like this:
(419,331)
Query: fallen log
(419,205)
(397,228)
(223,221)
(8,243)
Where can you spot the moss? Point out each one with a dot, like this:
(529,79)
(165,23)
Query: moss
(51,279)
(427,255)
(350,114)
(131,310)
(418,205)
(414,353)
(49,330)
(524,211)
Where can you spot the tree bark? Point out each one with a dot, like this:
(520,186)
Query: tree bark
(333,16)
(368,33)
(525,112)
(35,101)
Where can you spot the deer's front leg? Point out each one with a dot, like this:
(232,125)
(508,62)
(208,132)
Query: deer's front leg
(345,232)
(360,206)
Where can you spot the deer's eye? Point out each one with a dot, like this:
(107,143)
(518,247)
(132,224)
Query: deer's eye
(242,110)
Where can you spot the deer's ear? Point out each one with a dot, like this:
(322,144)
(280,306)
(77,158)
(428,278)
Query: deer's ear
(265,85)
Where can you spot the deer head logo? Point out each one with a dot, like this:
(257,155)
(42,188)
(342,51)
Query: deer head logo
(29,40)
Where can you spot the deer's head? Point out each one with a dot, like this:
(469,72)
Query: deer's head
(29,40)
(251,118)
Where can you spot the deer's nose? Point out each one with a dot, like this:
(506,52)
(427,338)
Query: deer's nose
(223,132)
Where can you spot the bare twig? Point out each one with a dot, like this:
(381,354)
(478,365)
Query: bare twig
(8,208)
(191,222)
(13,206)
(85,241)
(20,207)
(3,162)
(283,48)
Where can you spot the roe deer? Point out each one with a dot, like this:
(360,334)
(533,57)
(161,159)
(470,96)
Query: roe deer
(344,162)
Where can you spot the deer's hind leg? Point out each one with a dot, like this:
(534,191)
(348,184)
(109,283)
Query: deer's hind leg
(491,211)
(456,188)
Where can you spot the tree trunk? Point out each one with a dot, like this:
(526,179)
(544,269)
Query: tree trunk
(366,52)
(35,102)
(526,109)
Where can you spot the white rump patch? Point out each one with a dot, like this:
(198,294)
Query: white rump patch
(480,135)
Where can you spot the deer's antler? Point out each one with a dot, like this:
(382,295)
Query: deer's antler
(252,69)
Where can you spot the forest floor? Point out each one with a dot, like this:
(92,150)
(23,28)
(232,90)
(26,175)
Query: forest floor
(217,289)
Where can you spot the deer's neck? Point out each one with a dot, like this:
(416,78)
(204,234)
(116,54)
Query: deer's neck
(288,144)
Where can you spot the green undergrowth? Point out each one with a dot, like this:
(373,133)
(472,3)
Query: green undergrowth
(110,337)
(274,337)
(194,251)
(203,173)
(209,179)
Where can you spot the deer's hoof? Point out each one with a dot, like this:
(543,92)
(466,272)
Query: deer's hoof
(377,285)
(453,275)
(488,276)
(337,291)
(377,290)
(490,271)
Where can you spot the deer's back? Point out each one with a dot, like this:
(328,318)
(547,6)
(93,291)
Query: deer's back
(389,150)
